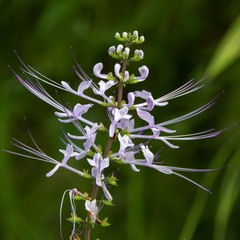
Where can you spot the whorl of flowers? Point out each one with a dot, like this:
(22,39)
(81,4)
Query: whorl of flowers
(132,139)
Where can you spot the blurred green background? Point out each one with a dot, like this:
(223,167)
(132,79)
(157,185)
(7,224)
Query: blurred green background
(184,39)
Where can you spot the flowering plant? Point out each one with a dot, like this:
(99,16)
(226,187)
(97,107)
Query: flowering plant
(132,141)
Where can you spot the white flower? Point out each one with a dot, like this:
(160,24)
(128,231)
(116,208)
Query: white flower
(92,208)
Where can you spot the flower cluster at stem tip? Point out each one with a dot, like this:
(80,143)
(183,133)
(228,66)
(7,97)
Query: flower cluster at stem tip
(132,140)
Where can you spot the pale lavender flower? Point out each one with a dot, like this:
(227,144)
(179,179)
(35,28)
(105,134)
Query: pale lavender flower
(77,113)
(97,69)
(81,88)
(99,164)
(91,207)
(126,124)
(68,153)
(149,156)
(121,76)
(117,115)
(146,116)
(103,87)
(89,136)
(143,70)
(125,142)
(139,53)
(150,102)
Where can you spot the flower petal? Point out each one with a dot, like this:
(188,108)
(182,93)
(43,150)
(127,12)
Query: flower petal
(146,116)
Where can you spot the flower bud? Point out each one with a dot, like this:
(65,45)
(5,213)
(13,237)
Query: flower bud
(126,53)
(144,71)
(124,35)
(119,48)
(139,53)
(97,71)
(117,68)
(111,50)
(141,39)
(117,36)
(135,34)
(126,76)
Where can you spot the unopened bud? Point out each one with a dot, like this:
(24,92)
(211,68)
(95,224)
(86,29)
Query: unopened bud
(119,48)
(139,53)
(117,35)
(126,52)
(142,39)
(135,34)
(124,34)
(111,50)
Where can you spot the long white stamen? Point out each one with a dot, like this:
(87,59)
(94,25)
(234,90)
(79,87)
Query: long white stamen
(73,208)
(181,92)
(32,72)
(93,85)
(191,181)
(163,139)
(190,114)
(60,211)
(76,137)
(72,119)
(194,136)
(163,129)
(53,84)
(185,89)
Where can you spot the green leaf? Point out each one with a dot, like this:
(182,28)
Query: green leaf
(199,203)
(227,52)
(74,218)
(112,180)
(108,203)
(86,174)
(81,197)
(105,222)
(227,197)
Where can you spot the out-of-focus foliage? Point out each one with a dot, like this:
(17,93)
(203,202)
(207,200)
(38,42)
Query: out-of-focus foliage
(184,39)
(227,52)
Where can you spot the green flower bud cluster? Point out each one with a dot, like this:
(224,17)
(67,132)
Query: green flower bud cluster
(130,38)
(119,52)
(122,53)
